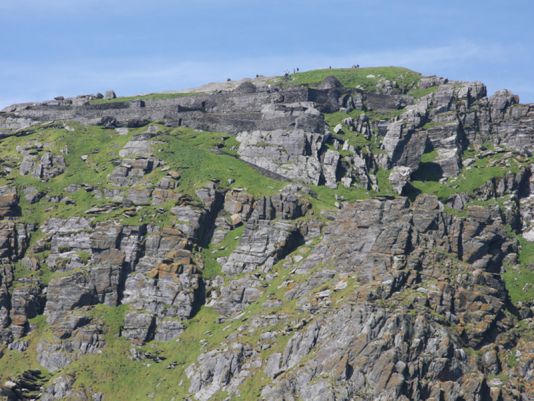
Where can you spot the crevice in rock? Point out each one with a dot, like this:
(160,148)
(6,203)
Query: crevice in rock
(460,241)
(199,298)
(151,331)
(208,221)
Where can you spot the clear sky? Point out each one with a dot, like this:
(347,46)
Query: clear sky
(70,47)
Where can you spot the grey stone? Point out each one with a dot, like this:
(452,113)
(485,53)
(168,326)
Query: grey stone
(110,95)
(399,177)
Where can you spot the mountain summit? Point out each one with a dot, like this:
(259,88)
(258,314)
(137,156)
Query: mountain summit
(338,234)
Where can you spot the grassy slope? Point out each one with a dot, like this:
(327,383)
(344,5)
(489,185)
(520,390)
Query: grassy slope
(519,280)
(223,249)
(102,146)
(113,373)
(364,78)
(14,363)
(482,171)
(186,150)
(192,153)
(151,96)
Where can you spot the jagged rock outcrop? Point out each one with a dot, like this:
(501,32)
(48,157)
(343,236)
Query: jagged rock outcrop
(388,248)
(219,369)
(74,339)
(24,387)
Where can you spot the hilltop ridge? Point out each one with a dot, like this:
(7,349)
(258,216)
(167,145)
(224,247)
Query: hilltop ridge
(337,234)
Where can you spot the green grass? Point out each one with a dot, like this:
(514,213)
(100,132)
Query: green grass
(148,97)
(467,181)
(200,157)
(333,119)
(364,78)
(323,198)
(222,249)
(421,92)
(525,329)
(192,153)
(433,124)
(100,145)
(526,252)
(189,151)
(519,282)
(511,361)
(13,363)
(429,157)
(44,274)
(114,374)
(384,185)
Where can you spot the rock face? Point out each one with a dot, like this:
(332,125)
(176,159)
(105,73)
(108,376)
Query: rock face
(41,164)
(293,155)
(271,241)
(399,177)
(70,345)
(8,201)
(381,237)
(216,370)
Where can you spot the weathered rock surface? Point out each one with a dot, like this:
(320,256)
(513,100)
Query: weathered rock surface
(345,279)
(42,164)
(218,369)
(60,352)
(389,248)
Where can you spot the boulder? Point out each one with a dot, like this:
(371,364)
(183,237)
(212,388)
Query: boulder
(246,87)
(330,82)
(399,177)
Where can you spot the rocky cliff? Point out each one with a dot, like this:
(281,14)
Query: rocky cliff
(351,234)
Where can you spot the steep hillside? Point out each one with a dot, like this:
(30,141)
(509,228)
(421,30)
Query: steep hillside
(340,234)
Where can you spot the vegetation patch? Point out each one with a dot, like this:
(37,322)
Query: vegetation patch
(519,282)
(469,180)
(148,97)
(201,157)
(115,374)
(101,147)
(364,78)
(224,248)
(13,362)
(429,157)
(422,92)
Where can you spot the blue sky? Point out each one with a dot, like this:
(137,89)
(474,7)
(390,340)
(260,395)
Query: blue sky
(70,47)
